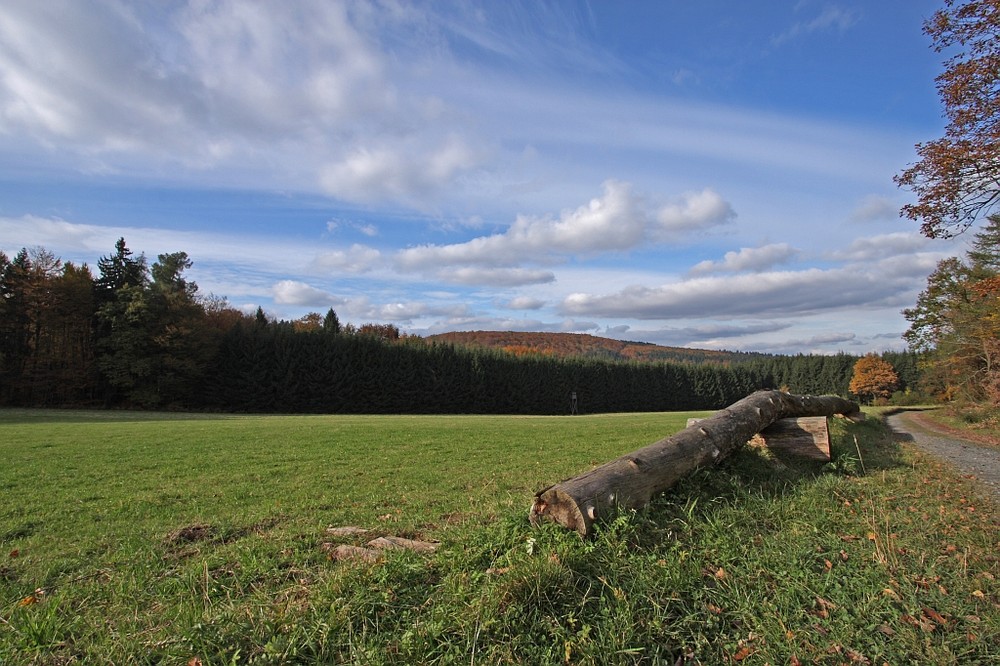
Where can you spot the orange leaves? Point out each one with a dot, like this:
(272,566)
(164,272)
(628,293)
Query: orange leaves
(873,378)
(823,608)
(743,653)
(717,573)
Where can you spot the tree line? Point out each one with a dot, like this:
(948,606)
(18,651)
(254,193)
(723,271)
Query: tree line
(140,335)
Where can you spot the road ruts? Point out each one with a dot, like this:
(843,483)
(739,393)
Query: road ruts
(981,461)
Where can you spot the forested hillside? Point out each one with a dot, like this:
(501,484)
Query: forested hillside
(579,345)
(141,336)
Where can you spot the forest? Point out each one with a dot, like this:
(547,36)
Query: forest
(141,336)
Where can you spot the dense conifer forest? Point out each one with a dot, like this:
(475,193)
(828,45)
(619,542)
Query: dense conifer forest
(141,336)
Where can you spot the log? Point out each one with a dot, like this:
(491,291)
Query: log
(801,437)
(631,481)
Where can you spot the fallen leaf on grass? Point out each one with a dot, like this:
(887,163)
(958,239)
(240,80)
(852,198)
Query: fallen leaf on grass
(856,657)
(934,616)
(194,661)
(886,630)
(14,553)
(743,653)
(824,604)
(979,594)
(794,661)
(28,600)
(712,608)
(922,623)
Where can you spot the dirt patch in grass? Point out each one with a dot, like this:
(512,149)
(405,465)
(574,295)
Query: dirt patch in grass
(190,534)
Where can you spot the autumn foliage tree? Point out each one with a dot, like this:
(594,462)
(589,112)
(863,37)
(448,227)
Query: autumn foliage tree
(956,322)
(957,178)
(873,378)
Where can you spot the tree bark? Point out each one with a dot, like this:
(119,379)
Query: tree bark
(631,481)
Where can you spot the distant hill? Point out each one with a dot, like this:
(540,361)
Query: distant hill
(581,345)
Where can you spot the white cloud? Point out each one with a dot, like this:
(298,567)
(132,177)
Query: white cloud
(875,248)
(293,292)
(757,295)
(496,277)
(705,335)
(525,303)
(694,212)
(487,323)
(356,259)
(748,259)
(405,170)
(618,220)
(873,208)
(815,344)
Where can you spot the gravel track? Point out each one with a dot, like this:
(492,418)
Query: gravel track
(981,461)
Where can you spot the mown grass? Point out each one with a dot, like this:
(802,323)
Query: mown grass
(880,557)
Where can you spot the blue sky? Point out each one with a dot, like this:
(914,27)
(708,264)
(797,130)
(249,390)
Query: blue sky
(706,174)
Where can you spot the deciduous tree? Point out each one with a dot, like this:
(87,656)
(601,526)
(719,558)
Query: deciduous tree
(957,179)
(956,321)
(873,378)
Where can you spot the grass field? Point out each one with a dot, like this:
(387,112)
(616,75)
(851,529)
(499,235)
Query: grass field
(160,538)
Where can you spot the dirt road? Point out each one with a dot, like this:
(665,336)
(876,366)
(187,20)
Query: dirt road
(981,461)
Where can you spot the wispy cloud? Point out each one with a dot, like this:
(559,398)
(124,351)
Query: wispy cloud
(875,207)
(832,18)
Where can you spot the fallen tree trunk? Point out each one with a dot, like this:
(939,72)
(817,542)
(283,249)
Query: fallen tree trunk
(631,481)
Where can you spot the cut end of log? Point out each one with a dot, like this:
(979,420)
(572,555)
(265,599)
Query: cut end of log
(555,505)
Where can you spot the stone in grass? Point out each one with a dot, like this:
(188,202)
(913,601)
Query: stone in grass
(347,531)
(342,552)
(397,543)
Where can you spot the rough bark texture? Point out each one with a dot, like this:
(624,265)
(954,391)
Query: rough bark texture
(632,480)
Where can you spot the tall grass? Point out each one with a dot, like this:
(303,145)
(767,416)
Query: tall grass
(165,538)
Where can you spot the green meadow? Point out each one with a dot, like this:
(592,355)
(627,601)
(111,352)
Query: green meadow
(197,539)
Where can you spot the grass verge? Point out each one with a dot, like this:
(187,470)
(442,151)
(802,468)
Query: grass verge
(169,539)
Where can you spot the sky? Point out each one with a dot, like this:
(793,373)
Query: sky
(709,174)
